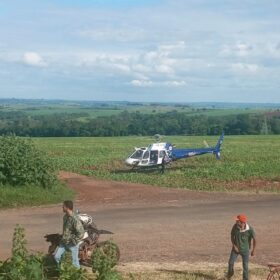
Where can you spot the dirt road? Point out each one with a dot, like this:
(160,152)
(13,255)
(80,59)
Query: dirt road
(153,224)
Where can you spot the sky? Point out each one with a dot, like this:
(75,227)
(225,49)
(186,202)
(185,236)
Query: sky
(146,50)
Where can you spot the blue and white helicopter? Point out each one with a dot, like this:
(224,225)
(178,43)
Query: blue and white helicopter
(157,154)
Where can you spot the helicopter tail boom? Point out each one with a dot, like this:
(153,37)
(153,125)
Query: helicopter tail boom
(185,153)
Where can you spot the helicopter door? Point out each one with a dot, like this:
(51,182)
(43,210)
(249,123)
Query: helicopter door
(154,157)
(145,159)
(163,154)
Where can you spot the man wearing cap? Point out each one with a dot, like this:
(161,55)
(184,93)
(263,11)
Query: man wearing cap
(241,236)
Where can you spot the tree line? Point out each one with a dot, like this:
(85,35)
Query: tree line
(137,123)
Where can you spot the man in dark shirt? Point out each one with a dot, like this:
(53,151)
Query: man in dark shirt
(241,236)
(165,160)
(73,232)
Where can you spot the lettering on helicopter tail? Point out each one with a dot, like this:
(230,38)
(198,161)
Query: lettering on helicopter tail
(191,154)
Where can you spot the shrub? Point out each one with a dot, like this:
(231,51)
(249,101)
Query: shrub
(22,163)
(103,261)
(22,266)
(68,272)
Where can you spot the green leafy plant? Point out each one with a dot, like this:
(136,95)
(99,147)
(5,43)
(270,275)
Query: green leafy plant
(68,272)
(22,266)
(21,163)
(104,259)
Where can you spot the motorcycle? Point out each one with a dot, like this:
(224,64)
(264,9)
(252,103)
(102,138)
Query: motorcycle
(89,242)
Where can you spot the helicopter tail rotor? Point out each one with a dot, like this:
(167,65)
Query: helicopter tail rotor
(205,144)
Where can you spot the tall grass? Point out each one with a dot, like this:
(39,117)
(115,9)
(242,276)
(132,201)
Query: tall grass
(31,195)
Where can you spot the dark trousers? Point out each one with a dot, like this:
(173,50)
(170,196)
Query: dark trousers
(162,168)
(245,264)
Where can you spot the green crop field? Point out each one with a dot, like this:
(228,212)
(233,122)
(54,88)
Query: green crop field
(250,163)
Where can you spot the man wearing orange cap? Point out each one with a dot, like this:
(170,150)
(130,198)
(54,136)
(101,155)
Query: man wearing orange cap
(241,236)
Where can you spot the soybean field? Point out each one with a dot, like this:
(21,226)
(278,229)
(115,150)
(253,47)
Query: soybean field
(248,163)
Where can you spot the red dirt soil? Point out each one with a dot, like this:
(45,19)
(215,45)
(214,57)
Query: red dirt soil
(154,224)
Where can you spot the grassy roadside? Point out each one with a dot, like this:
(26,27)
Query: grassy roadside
(31,195)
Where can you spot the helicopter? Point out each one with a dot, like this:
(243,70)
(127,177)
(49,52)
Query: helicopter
(161,153)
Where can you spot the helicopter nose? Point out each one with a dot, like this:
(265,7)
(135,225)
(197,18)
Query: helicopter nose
(131,162)
(128,161)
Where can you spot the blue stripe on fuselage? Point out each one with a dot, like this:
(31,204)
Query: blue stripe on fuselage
(184,153)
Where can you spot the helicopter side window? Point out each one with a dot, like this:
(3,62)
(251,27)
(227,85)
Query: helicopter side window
(137,154)
(161,154)
(154,156)
(146,155)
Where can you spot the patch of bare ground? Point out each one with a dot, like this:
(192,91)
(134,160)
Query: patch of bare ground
(186,271)
(154,224)
(115,193)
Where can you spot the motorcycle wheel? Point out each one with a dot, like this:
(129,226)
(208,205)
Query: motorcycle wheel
(86,263)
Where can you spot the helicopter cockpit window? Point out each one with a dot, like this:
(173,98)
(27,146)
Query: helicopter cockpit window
(137,154)
(146,155)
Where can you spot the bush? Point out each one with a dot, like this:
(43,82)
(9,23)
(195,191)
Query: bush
(69,272)
(22,266)
(103,260)
(21,163)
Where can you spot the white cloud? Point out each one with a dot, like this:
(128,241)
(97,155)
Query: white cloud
(148,83)
(158,63)
(273,49)
(175,83)
(114,34)
(141,83)
(245,67)
(164,60)
(171,47)
(88,58)
(243,49)
(238,49)
(162,68)
(33,59)
(120,67)
(139,67)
